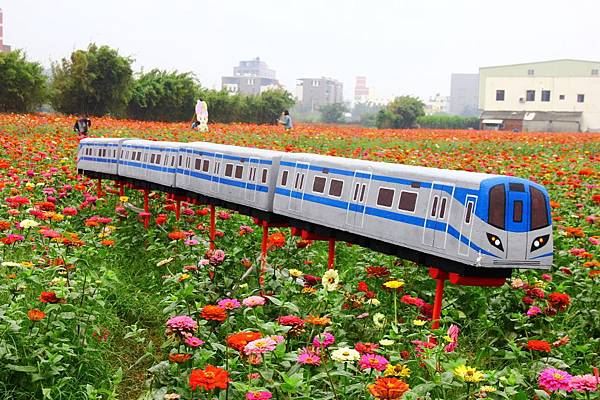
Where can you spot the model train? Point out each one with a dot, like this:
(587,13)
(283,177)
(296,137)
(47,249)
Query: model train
(470,223)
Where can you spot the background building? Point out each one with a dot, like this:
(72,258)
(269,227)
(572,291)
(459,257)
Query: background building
(312,93)
(557,95)
(250,77)
(3,47)
(464,94)
(437,104)
(361,90)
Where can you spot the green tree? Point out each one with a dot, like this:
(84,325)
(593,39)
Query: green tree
(163,96)
(448,122)
(402,112)
(332,113)
(95,81)
(22,83)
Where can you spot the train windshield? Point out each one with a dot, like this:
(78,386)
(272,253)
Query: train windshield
(497,206)
(539,210)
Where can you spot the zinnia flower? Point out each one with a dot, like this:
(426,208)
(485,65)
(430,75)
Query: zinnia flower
(182,325)
(209,378)
(330,280)
(193,341)
(324,340)
(394,284)
(468,374)
(388,388)
(239,340)
(50,297)
(345,354)
(374,361)
(213,313)
(397,370)
(36,315)
(260,346)
(308,357)
(584,383)
(539,345)
(229,304)
(258,395)
(254,301)
(552,379)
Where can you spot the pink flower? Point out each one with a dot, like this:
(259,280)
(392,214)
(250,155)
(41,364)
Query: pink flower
(552,380)
(453,333)
(258,395)
(547,277)
(229,304)
(324,340)
(594,241)
(194,341)
(191,242)
(260,346)
(254,301)
(244,229)
(533,311)
(577,252)
(217,257)
(308,357)
(584,383)
(224,215)
(182,325)
(374,361)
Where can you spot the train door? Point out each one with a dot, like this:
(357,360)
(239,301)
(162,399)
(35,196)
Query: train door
(355,213)
(215,179)
(251,181)
(466,225)
(435,225)
(299,183)
(517,221)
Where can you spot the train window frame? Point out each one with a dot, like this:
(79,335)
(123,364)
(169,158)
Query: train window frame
(158,157)
(414,202)
(138,156)
(502,203)
(284,177)
(363,192)
(469,212)
(356,191)
(265,173)
(152,158)
(238,172)
(229,170)
(434,206)
(172,161)
(341,188)
(198,164)
(379,192)
(205,165)
(324,180)
(535,195)
(180,160)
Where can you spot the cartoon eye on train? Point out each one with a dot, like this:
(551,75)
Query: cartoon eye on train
(465,222)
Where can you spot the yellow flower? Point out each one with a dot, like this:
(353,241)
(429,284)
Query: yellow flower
(330,280)
(123,198)
(57,217)
(296,273)
(183,277)
(419,322)
(468,374)
(397,370)
(488,389)
(27,264)
(448,339)
(395,284)
(309,290)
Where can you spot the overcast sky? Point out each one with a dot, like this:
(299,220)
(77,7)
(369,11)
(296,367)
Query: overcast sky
(402,47)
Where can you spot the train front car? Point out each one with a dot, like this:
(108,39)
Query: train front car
(98,157)
(514,224)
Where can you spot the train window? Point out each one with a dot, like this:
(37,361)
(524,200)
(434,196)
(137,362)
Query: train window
(434,206)
(516,187)
(217,168)
(301,182)
(469,212)
(239,171)
(115,153)
(443,208)
(264,176)
(172,161)
(335,187)
(284,178)
(356,187)
(517,211)
(205,165)
(138,156)
(229,169)
(197,164)
(362,192)
(252,174)
(497,206)
(297,180)
(152,158)
(408,201)
(319,184)
(180,160)
(539,212)
(385,197)
(158,159)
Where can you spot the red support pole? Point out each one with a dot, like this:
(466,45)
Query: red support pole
(263,252)
(212,227)
(177,209)
(99,188)
(440,277)
(331,259)
(121,189)
(146,209)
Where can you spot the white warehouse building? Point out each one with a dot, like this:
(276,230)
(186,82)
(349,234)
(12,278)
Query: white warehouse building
(557,95)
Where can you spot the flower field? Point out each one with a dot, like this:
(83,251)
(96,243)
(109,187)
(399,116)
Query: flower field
(94,306)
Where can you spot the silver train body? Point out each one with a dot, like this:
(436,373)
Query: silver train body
(473,219)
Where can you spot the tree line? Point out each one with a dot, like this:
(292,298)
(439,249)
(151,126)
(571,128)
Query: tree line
(99,81)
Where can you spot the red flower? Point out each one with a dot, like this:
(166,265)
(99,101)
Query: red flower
(213,313)
(377,272)
(363,348)
(177,235)
(539,345)
(239,340)
(290,320)
(209,378)
(50,297)
(276,239)
(388,388)
(363,287)
(559,300)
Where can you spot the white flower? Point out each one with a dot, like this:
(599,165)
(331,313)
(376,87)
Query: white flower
(386,342)
(373,302)
(28,223)
(163,262)
(379,320)
(345,354)
(330,280)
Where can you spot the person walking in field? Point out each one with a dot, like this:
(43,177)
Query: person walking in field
(286,120)
(82,125)
(201,116)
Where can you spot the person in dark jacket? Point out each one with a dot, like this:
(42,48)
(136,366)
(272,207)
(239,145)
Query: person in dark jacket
(82,125)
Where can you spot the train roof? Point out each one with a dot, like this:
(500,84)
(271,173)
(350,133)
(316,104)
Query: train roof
(427,173)
(216,147)
(155,143)
(102,140)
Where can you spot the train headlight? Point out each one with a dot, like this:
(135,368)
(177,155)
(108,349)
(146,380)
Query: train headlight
(539,242)
(495,241)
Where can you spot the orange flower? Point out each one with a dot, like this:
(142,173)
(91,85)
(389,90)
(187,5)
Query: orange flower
(213,313)
(388,388)
(539,345)
(36,315)
(176,235)
(239,340)
(276,239)
(321,321)
(179,358)
(107,242)
(209,378)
